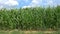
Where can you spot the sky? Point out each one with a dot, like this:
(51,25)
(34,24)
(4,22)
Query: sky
(27,3)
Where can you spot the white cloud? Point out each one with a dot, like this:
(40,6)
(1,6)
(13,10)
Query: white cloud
(8,3)
(26,6)
(34,3)
(11,2)
(49,2)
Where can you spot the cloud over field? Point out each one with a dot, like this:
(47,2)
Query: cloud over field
(28,3)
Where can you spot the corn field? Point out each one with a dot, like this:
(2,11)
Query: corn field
(30,18)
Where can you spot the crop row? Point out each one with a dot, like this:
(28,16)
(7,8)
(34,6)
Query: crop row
(30,18)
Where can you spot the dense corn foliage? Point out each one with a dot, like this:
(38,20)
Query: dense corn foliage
(30,18)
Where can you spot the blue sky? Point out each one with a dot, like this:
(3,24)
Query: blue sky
(27,3)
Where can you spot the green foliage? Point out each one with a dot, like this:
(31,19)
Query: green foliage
(30,18)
